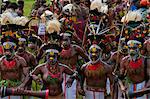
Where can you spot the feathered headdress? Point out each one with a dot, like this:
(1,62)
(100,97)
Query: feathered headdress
(47,15)
(7,17)
(69,9)
(132,16)
(53,26)
(101,7)
(21,20)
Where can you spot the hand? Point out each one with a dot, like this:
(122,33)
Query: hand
(81,91)
(69,82)
(37,80)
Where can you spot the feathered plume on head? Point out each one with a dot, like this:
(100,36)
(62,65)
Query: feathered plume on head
(47,15)
(53,26)
(7,18)
(68,9)
(101,7)
(21,20)
(132,16)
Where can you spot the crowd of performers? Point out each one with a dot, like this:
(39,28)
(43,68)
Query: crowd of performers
(75,49)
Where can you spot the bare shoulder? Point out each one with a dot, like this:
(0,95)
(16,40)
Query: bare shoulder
(19,58)
(114,54)
(107,66)
(85,65)
(126,58)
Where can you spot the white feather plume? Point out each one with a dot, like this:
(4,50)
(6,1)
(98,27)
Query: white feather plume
(7,17)
(53,26)
(68,8)
(101,7)
(21,20)
(132,16)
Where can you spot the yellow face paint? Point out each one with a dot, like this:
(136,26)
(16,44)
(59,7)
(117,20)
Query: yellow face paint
(7,46)
(93,49)
(51,53)
(51,58)
(93,54)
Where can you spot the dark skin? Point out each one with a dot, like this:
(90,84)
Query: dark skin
(135,75)
(44,69)
(99,78)
(146,48)
(30,59)
(69,54)
(18,71)
(115,60)
(116,55)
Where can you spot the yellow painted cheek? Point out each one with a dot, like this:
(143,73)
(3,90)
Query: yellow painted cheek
(51,58)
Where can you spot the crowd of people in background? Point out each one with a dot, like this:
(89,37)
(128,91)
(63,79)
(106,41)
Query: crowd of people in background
(75,49)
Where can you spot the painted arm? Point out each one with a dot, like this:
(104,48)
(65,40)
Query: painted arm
(33,62)
(34,74)
(80,85)
(24,67)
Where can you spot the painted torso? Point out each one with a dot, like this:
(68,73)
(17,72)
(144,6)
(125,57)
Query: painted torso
(69,57)
(95,75)
(52,78)
(120,56)
(135,70)
(27,56)
(11,70)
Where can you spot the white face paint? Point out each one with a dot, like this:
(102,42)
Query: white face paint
(94,53)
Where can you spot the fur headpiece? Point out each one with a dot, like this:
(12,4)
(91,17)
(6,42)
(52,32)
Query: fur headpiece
(53,26)
(21,20)
(101,7)
(132,16)
(47,14)
(7,17)
(69,9)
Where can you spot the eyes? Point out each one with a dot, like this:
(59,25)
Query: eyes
(132,48)
(8,50)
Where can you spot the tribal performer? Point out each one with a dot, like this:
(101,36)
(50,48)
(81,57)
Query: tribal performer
(52,72)
(95,74)
(21,51)
(70,55)
(13,68)
(146,47)
(115,60)
(136,68)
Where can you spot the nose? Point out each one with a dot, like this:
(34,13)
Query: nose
(51,58)
(93,54)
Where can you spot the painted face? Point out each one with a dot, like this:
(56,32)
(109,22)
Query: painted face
(65,42)
(124,48)
(21,45)
(52,57)
(94,53)
(9,50)
(133,50)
